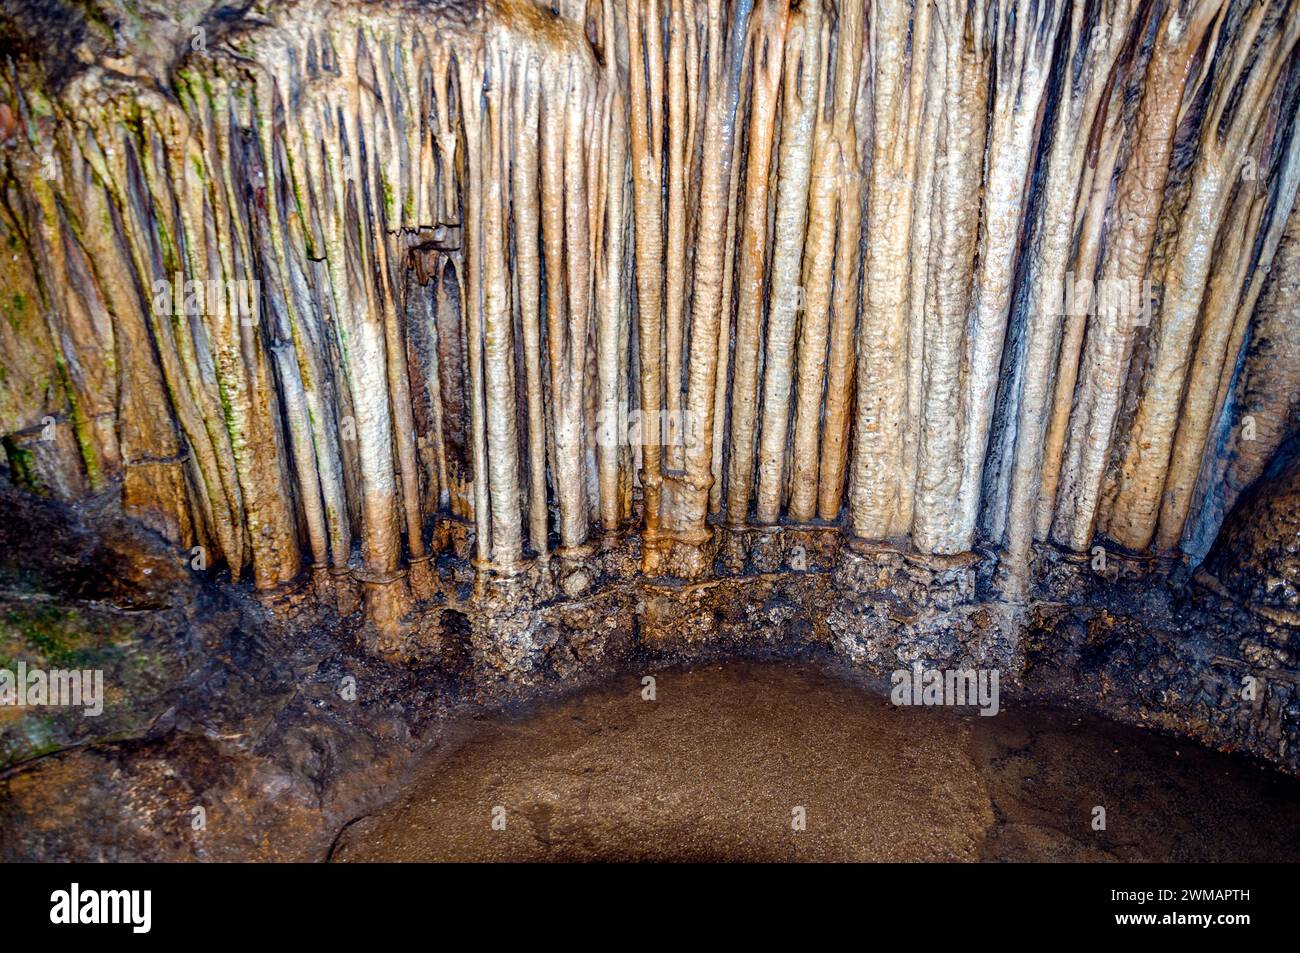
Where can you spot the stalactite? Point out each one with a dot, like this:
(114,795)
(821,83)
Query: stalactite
(610,262)
(524,204)
(1094,200)
(834,170)
(852,239)
(725,60)
(802,91)
(879,477)
(1132,518)
(726,325)
(954,211)
(1023,42)
(769,44)
(852,118)
(680,120)
(1231,296)
(1263,406)
(498,345)
(1133,215)
(645,41)
(1092,72)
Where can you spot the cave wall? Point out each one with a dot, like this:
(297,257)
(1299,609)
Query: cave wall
(329,289)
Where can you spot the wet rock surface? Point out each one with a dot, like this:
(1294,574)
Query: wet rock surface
(227,733)
(1257,556)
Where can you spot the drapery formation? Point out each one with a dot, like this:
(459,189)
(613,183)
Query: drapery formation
(949,274)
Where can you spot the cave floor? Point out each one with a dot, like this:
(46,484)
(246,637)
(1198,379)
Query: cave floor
(715,766)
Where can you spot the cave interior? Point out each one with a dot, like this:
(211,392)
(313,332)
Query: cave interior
(367,366)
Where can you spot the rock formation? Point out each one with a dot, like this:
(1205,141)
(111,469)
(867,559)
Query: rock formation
(900,324)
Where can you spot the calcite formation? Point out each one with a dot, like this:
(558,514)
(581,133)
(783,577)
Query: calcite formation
(679,313)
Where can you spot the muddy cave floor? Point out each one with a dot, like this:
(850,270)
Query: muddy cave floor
(713,768)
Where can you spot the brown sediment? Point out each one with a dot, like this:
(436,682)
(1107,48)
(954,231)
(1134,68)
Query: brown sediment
(486,348)
(608,775)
